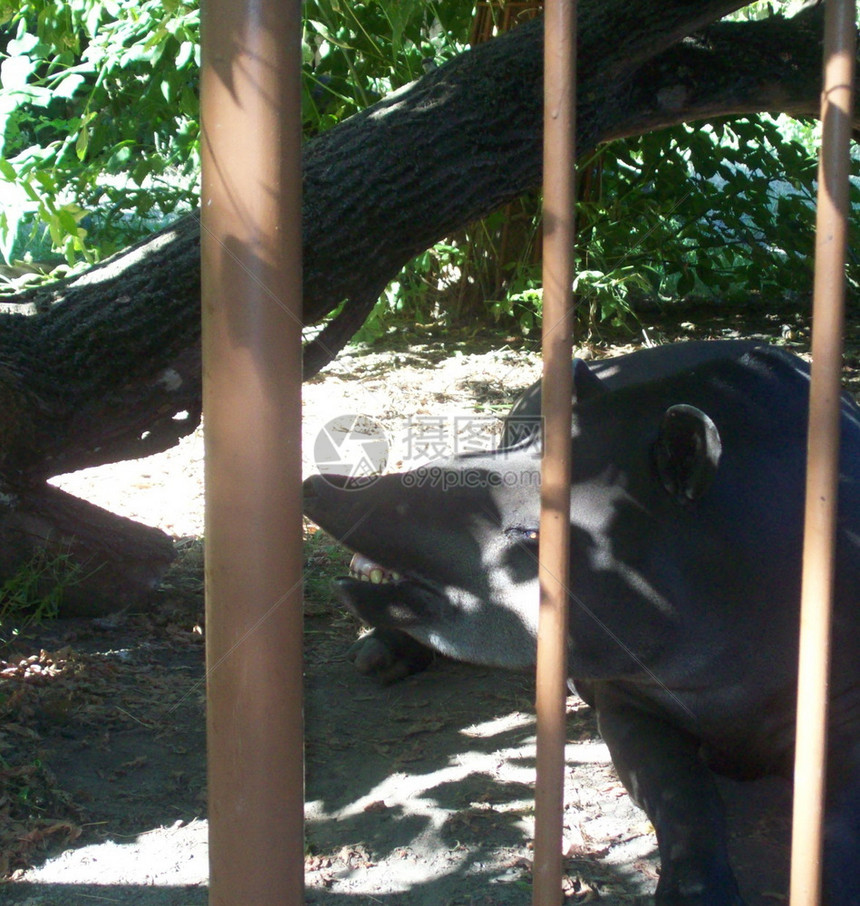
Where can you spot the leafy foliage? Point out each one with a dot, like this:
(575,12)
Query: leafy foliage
(99,144)
(98,117)
(99,113)
(720,211)
(355,53)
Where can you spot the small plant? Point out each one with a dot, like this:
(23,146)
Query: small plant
(324,559)
(31,596)
(525,307)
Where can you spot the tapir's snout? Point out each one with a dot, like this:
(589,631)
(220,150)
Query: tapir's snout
(313,496)
(327,497)
(360,513)
(309,489)
(314,488)
(326,501)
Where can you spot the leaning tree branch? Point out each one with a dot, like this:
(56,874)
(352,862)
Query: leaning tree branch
(731,68)
(108,366)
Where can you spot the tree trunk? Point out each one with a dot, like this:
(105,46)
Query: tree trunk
(103,562)
(106,366)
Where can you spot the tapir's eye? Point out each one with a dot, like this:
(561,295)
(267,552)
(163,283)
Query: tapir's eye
(522,534)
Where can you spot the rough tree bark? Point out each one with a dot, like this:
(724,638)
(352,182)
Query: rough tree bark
(106,366)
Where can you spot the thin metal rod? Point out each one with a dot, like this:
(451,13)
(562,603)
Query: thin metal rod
(251,289)
(554,559)
(822,455)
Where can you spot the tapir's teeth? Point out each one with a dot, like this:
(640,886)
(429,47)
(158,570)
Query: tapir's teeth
(356,565)
(361,567)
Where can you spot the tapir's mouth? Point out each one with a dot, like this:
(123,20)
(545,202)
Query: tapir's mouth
(366,570)
(385,597)
(366,575)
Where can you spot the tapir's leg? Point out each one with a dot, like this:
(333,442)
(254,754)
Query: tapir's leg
(389,655)
(661,768)
(842,841)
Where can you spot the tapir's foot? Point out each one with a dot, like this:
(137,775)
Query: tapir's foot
(389,655)
(685,885)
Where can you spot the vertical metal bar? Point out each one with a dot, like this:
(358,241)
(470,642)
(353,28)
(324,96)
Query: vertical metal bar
(559,161)
(251,288)
(822,454)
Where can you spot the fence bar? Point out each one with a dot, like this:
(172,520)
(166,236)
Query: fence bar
(822,455)
(251,289)
(558,226)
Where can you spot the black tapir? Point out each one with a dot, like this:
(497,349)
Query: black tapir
(686,537)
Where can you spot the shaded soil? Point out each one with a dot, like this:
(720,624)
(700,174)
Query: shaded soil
(417,793)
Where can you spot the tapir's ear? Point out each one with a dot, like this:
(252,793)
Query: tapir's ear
(687,452)
(585,382)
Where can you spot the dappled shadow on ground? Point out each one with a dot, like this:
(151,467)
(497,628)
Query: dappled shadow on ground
(126,894)
(417,793)
(414,348)
(438,806)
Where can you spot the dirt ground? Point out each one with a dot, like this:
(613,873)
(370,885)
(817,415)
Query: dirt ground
(417,793)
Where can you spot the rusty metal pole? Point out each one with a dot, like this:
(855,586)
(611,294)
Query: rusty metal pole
(559,162)
(251,289)
(822,480)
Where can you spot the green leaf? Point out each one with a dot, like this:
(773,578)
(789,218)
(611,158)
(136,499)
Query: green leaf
(82,142)
(15,73)
(686,282)
(184,55)
(69,85)
(23,44)
(45,180)
(66,221)
(141,171)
